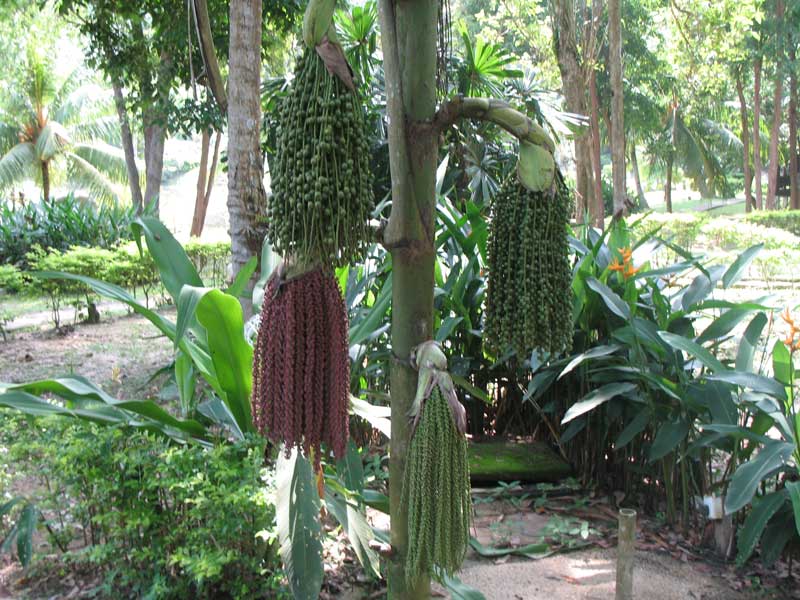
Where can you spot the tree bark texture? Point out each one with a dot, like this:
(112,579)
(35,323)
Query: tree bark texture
(46,180)
(209,54)
(597,210)
(671,157)
(637,178)
(757,131)
(246,195)
(127,148)
(794,185)
(748,173)
(777,115)
(617,118)
(205,182)
(409,34)
(155,132)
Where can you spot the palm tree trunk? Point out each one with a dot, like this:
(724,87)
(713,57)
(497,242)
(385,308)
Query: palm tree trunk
(637,179)
(748,174)
(127,147)
(597,210)
(793,166)
(617,119)
(46,179)
(409,34)
(777,116)
(246,195)
(757,130)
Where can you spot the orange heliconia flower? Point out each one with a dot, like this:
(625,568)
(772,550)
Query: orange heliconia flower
(616,266)
(626,266)
(794,330)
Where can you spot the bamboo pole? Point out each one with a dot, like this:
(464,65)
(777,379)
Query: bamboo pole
(625,553)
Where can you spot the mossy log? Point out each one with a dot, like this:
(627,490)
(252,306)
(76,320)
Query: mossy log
(503,460)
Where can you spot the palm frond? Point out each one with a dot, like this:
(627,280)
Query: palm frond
(9,134)
(105,128)
(85,101)
(107,159)
(17,163)
(52,139)
(85,176)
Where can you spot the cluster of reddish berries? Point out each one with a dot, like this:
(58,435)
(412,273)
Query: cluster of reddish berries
(301,370)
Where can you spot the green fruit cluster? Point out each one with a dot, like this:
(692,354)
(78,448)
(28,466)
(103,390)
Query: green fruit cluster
(321,181)
(436,490)
(529,299)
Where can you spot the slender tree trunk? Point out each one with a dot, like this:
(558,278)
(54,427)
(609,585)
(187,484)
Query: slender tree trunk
(246,195)
(205,182)
(794,185)
(46,180)
(748,174)
(597,210)
(154,135)
(668,185)
(757,131)
(574,89)
(207,51)
(617,118)
(127,147)
(638,179)
(777,115)
(409,34)
(671,157)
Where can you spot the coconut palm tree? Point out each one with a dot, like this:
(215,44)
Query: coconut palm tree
(56,131)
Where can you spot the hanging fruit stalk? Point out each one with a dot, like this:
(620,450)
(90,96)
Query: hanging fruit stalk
(301,371)
(436,487)
(529,301)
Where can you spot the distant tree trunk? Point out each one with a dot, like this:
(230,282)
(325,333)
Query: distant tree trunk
(671,156)
(757,131)
(154,137)
(597,207)
(617,119)
(46,179)
(246,195)
(127,148)
(668,184)
(777,115)
(748,174)
(642,199)
(794,185)
(574,89)
(205,182)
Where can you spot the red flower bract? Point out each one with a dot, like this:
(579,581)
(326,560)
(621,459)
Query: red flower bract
(301,368)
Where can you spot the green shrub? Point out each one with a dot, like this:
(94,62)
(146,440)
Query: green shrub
(788,220)
(11,279)
(157,520)
(737,234)
(211,259)
(680,228)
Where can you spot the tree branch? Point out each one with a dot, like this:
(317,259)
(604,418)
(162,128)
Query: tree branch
(497,111)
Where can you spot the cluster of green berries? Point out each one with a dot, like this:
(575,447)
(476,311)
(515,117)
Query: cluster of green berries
(529,300)
(321,181)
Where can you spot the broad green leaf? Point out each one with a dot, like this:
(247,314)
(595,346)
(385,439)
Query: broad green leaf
(537,550)
(597,397)
(595,352)
(777,534)
(748,476)
(26,525)
(269,261)
(376,500)
(173,264)
(723,325)
(350,469)
(793,487)
(185,381)
(187,303)
(458,589)
(697,291)
(366,327)
(757,383)
(358,531)
(749,342)
(693,349)
(219,413)
(239,285)
(756,521)
(221,315)
(782,365)
(377,416)
(739,266)
(446,328)
(299,531)
(471,389)
(633,428)
(612,300)
(668,438)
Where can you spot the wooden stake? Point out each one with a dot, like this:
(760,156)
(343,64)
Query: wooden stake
(625,553)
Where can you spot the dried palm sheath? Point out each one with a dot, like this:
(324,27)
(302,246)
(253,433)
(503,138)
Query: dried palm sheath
(436,490)
(321,181)
(301,371)
(529,299)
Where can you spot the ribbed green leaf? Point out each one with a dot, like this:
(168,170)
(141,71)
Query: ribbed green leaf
(748,476)
(612,300)
(749,342)
(597,397)
(668,438)
(739,266)
(358,531)
(756,521)
(693,349)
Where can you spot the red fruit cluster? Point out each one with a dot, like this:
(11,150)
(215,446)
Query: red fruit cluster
(301,368)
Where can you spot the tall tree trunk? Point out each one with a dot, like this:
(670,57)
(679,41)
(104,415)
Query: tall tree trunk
(46,180)
(408,34)
(671,156)
(794,185)
(748,174)
(209,54)
(668,184)
(127,147)
(154,137)
(597,206)
(642,199)
(777,115)
(757,130)
(574,88)
(205,182)
(246,195)
(617,118)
